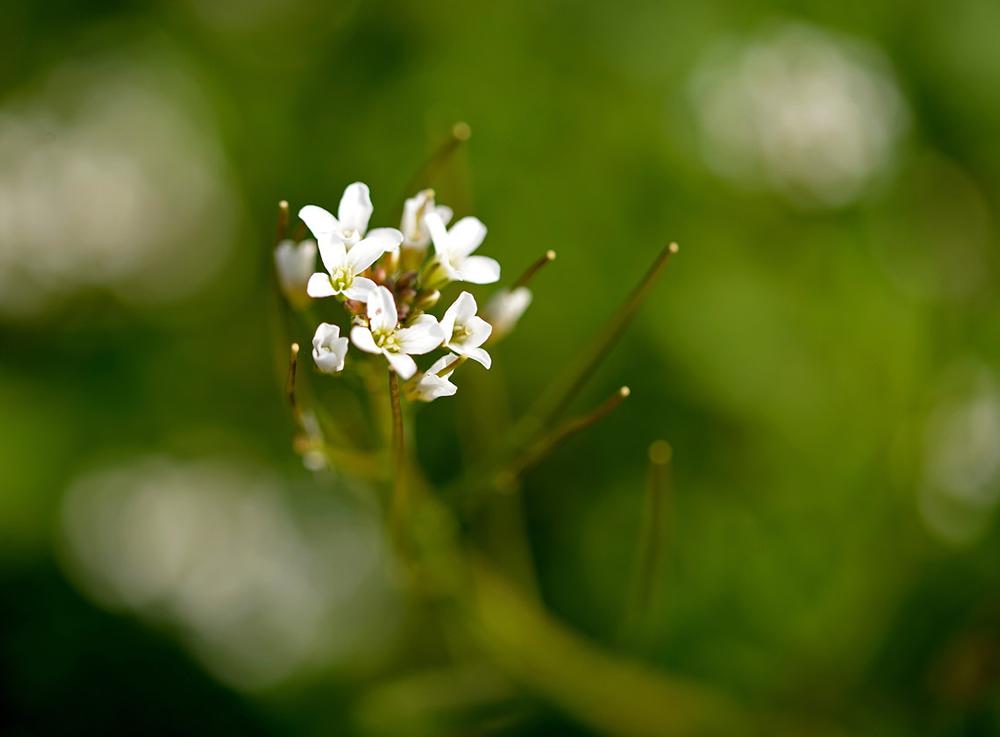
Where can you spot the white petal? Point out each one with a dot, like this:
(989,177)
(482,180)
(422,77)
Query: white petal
(339,349)
(355,208)
(431,386)
(423,336)
(479,331)
(466,235)
(444,212)
(329,362)
(449,270)
(362,338)
(319,221)
(325,332)
(479,270)
(461,310)
(382,315)
(361,289)
(320,286)
(439,233)
(365,253)
(479,355)
(402,364)
(448,319)
(390,237)
(465,308)
(333,253)
(441,363)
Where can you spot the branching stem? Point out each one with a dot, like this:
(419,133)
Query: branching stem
(547,443)
(604,342)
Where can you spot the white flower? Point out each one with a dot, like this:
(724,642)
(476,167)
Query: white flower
(415,233)
(431,385)
(505,308)
(295,263)
(464,331)
(351,223)
(329,349)
(343,266)
(383,334)
(453,248)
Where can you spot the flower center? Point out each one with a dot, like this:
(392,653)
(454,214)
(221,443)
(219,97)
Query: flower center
(341,278)
(460,333)
(386,340)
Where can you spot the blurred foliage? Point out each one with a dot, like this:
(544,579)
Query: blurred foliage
(823,373)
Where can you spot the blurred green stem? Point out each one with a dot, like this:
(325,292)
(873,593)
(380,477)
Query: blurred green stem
(400,500)
(649,551)
(602,691)
(607,693)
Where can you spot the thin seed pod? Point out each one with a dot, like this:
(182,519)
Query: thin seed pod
(548,443)
(546,258)
(604,342)
(459,134)
(650,548)
(293,362)
(282,229)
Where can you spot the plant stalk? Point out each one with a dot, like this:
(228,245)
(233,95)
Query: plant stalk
(400,500)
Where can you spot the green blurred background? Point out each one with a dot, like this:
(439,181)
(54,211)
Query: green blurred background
(822,355)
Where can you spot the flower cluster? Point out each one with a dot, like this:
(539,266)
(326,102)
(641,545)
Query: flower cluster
(389,280)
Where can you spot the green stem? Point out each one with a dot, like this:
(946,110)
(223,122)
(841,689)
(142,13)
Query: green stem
(459,134)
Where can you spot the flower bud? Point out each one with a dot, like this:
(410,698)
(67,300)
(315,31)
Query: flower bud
(426,300)
(505,309)
(329,349)
(294,264)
